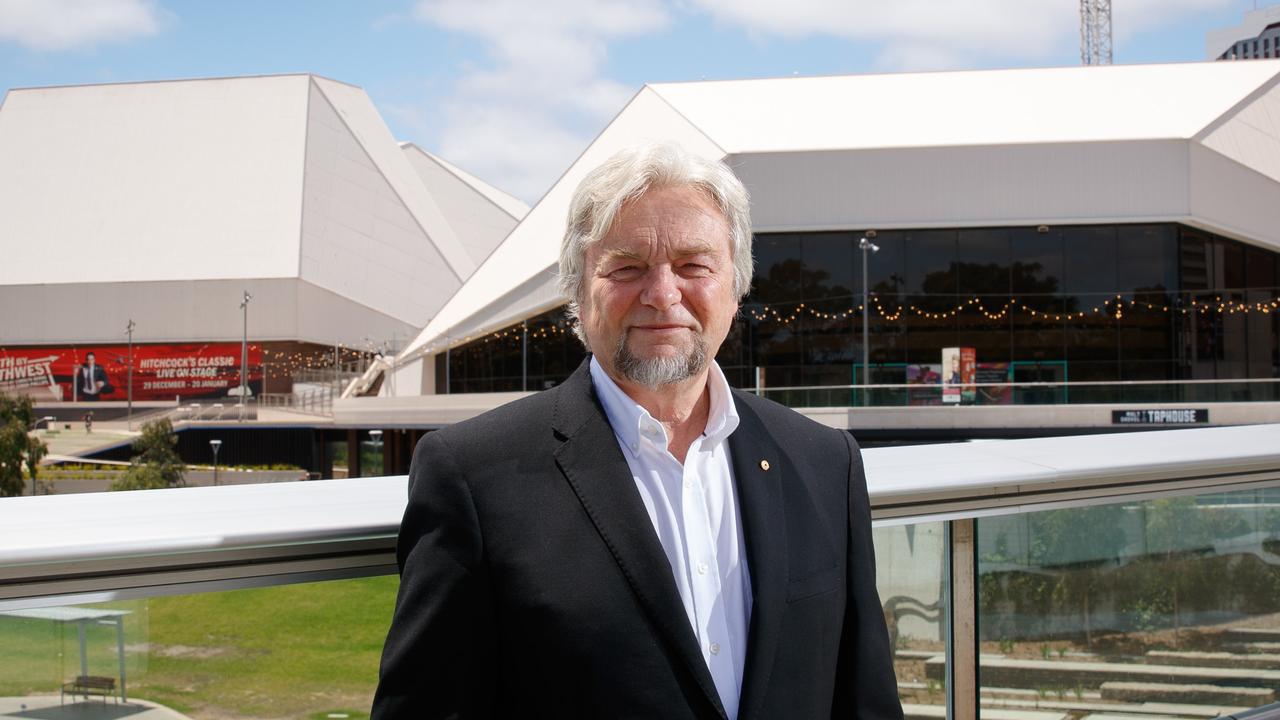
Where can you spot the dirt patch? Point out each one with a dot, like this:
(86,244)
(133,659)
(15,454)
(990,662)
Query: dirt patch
(188,651)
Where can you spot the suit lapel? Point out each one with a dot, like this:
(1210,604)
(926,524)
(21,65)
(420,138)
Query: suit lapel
(594,466)
(759,470)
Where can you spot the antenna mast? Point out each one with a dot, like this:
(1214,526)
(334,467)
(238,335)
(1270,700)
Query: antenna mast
(1095,32)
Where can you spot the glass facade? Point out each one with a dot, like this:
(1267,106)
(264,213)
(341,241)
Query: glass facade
(1096,303)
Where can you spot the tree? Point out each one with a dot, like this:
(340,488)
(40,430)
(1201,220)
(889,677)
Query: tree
(156,464)
(1180,535)
(1079,545)
(18,448)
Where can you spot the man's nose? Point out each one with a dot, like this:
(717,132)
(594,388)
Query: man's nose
(662,288)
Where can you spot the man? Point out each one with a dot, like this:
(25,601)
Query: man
(90,380)
(641,541)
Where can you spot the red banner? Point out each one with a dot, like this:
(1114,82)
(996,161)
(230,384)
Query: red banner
(101,372)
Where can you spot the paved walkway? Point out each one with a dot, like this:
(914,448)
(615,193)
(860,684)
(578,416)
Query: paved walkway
(49,707)
(77,442)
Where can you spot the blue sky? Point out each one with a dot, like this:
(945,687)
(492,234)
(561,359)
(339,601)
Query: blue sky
(512,90)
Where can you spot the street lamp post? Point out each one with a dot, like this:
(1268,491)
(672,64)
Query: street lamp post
(34,427)
(244,354)
(129,331)
(215,444)
(864,245)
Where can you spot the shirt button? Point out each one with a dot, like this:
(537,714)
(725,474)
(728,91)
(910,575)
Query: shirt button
(715,648)
(688,484)
(702,568)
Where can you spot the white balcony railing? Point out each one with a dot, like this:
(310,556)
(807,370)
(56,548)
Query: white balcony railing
(83,548)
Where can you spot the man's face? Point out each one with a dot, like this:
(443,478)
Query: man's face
(90,359)
(658,297)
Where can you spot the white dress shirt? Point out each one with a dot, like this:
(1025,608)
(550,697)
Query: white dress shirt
(694,510)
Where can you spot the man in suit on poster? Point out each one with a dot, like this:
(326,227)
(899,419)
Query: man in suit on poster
(90,380)
(642,540)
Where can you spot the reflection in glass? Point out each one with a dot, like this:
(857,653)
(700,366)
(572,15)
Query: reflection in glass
(911,580)
(287,651)
(1133,602)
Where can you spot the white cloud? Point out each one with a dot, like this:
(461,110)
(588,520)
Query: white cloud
(934,34)
(522,117)
(73,24)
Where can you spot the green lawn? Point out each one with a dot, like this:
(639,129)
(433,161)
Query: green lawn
(297,651)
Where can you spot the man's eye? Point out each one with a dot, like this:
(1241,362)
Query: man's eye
(626,272)
(694,269)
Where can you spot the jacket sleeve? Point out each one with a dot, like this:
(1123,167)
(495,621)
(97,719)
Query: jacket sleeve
(865,684)
(439,658)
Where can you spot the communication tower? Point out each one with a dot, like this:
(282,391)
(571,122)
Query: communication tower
(1095,32)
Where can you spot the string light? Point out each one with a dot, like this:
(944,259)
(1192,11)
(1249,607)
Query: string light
(1111,308)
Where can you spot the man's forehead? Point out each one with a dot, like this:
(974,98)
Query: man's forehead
(641,246)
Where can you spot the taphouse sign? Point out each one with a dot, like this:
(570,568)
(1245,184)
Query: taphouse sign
(1176,416)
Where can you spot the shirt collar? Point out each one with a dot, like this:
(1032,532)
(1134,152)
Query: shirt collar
(627,416)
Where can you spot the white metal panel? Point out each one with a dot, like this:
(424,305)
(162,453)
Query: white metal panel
(359,239)
(195,179)
(954,186)
(985,107)
(1234,200)
(534,245)
(480,222)
(362,119)
(536,295)
(509,204)
(1251,137)
(173,311)
(328,318)
(406,379)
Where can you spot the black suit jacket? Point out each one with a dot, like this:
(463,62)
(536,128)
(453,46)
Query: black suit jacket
(81,374)
(533,583)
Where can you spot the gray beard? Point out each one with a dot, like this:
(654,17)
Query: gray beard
(653,373)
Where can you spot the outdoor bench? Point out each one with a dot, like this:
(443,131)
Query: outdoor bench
(87,685)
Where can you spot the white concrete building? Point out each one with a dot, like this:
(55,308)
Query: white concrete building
(162,201)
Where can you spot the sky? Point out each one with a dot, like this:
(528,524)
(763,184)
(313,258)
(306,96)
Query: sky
(513,90)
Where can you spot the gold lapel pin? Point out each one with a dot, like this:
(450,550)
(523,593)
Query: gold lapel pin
(764,464)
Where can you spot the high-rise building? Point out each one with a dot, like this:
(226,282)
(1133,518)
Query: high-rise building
(1257,37)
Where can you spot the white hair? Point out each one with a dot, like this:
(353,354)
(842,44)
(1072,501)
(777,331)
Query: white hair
(625,177)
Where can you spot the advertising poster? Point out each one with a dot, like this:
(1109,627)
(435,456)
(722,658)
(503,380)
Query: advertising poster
(929,378)
(959,368)
(89,373)
(994,374)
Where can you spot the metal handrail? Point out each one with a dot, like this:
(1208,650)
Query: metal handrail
(1037,383)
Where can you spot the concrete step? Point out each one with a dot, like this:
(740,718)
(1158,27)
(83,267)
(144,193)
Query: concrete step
(1066,673)
(913,711)
(1252,647)
(1264,661)
(1253,634)
(1188,694)
(1146,710)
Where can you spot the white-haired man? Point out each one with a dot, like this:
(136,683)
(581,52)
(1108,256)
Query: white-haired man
(641,541)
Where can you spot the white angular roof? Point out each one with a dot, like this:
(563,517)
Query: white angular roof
(1012,125)
(289,176)
(481,213)
(966,108)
